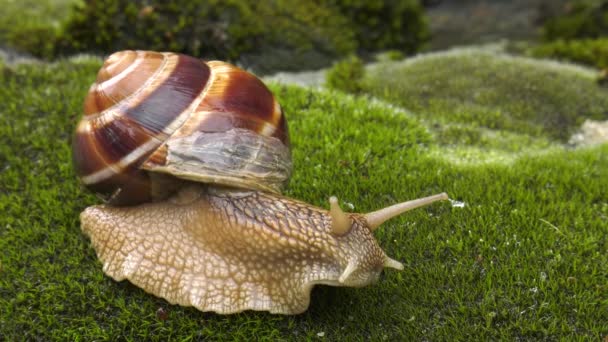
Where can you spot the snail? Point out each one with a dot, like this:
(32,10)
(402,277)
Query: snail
(191,157)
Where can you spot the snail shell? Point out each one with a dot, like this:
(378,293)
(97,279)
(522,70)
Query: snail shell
(151,113)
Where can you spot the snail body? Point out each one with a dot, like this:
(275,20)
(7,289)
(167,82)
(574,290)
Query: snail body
(234,250)
(194,212)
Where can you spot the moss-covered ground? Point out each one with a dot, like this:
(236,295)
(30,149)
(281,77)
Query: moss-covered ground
(483,105)
(524,258)
(31,26)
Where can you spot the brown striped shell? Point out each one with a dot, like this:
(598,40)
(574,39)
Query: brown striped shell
(151,114)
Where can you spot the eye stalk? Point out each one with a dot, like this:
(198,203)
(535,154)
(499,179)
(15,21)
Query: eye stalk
(341,222)
(392,263)
(378,217)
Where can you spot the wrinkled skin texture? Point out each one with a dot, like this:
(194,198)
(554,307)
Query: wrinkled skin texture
(228,250)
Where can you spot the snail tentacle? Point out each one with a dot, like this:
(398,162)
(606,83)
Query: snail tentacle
(376,218)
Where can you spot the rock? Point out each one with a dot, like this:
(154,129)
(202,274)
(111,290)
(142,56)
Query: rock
(312,78)
(591,133)
(10,56)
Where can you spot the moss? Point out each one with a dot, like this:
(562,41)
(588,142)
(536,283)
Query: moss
(297,35)
(583,19)
(31,26)
(262,35)
(593,52)
(577,34)
(523,259)
(212,29)
(394,55)
(492,91)
(346,75)
(383,25)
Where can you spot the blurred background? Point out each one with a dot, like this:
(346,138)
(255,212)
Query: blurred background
(284,35)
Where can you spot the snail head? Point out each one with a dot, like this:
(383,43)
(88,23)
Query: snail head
(365,264)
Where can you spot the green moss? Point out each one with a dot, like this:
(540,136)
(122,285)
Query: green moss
(578,34)
(523,259)
(346,75)
(583,19)
(32,25)
(388,56)
(593,52)
(382,25)
(228,30)
(262,35)
(491,91)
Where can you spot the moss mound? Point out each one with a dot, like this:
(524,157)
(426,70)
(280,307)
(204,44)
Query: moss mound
(346,75)
(483,92)
(524,258)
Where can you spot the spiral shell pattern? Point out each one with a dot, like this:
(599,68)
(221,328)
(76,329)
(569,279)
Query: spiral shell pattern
(145,105)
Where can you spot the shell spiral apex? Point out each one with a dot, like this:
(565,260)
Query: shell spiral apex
(191,157)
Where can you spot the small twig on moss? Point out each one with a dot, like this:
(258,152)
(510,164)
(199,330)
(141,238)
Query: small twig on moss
(552,226)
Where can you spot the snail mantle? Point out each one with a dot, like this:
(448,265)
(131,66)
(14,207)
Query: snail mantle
(190,158)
